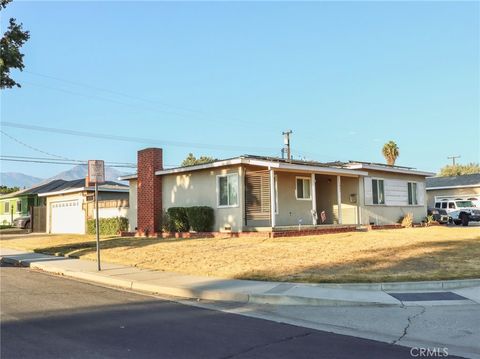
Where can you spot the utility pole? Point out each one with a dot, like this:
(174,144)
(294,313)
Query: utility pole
(453,159)
(286,143)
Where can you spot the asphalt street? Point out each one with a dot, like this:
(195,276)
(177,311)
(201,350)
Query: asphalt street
(44,316)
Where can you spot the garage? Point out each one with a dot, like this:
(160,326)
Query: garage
(67,217)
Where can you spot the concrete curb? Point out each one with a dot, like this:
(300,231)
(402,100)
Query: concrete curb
(210,295)
(326,295)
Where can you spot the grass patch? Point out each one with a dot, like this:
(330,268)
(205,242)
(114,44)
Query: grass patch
(432,253)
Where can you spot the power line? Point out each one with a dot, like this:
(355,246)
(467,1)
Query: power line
(205,116)
(133,139)
(32,147)
(59,162)
(77,161)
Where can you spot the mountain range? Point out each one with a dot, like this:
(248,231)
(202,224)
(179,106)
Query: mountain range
(17,179)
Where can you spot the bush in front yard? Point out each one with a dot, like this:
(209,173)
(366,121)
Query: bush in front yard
(407,220)
(178,219)
(201,218)
(108,226)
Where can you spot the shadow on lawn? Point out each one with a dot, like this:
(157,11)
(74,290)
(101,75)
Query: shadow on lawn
(448,259)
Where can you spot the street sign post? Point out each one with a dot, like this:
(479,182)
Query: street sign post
(96,175)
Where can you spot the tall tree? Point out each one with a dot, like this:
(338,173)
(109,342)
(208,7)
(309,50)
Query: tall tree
(458,170)
(10,55)
(391,152)
(191,160)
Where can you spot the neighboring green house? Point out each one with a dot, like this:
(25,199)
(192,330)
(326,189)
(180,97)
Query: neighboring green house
(17,204)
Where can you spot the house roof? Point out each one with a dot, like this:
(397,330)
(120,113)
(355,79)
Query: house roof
(463,181)
(37,189)
(79,186)
(387,168)
(353,168)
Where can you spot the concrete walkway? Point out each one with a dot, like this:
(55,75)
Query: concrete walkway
(245,291)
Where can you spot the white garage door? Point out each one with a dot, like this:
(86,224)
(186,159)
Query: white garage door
(67,217)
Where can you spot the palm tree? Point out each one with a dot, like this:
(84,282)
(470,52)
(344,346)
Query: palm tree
(391,152)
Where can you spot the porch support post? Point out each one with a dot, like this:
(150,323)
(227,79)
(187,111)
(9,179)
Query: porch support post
(339,199)
(272,198)
(314,199)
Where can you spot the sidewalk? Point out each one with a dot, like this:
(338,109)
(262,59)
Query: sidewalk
(246,291)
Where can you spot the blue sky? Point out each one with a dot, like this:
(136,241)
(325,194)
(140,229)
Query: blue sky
(224,79)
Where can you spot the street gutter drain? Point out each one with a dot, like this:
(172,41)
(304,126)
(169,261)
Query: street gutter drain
(427,296)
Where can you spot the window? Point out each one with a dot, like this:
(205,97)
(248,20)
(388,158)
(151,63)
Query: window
(451,205)
(412,193)
(6,207)
(438,205)
(378,191)
(303,188)
(227,189)
(19,206)
(444,205)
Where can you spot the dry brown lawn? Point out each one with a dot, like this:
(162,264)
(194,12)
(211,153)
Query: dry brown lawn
(388,255)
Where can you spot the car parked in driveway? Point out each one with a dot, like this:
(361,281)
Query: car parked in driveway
(460,211)
(439,215)
(22,222)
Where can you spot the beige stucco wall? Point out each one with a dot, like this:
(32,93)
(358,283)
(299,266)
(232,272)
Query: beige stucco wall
(290,209)
(132,206)
(199,188)
(384,214)
(451,192)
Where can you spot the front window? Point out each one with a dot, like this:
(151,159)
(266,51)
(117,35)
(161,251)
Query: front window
(228,190)
(412,193)
(378,191)
(19,206)
(444,205)
(438,205)
(6,207)
(451,205)
(464,204)
(303,188)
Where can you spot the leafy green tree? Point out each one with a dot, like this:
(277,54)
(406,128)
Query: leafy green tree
(458,170)
(7,190)
(10,55)
(191,160)
(391,152)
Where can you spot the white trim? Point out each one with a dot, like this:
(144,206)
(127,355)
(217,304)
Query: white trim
(313,192)
(127,177)
(82,189)
(272,198)
(448,187)
(390,169)
(339,199)
(416,193)
(296,194)
(262,163)
(217,191)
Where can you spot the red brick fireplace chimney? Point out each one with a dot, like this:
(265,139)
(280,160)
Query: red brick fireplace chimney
(149,191)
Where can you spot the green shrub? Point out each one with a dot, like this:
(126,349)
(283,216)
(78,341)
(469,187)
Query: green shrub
(201,218)
(108,226)
(177,219)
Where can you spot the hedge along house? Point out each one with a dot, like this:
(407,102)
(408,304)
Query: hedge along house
(19,203)
(70,205)
(253,193)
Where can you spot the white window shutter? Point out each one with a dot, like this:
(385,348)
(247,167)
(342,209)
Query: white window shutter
(367,182)
(421,193)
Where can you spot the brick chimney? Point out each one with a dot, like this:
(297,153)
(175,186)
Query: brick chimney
(149,191)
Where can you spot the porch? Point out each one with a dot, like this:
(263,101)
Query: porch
(307,199)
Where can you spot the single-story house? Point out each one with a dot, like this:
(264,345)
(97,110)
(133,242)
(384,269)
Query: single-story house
(465,187)
(19,203)
(255,193)
(71,204)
